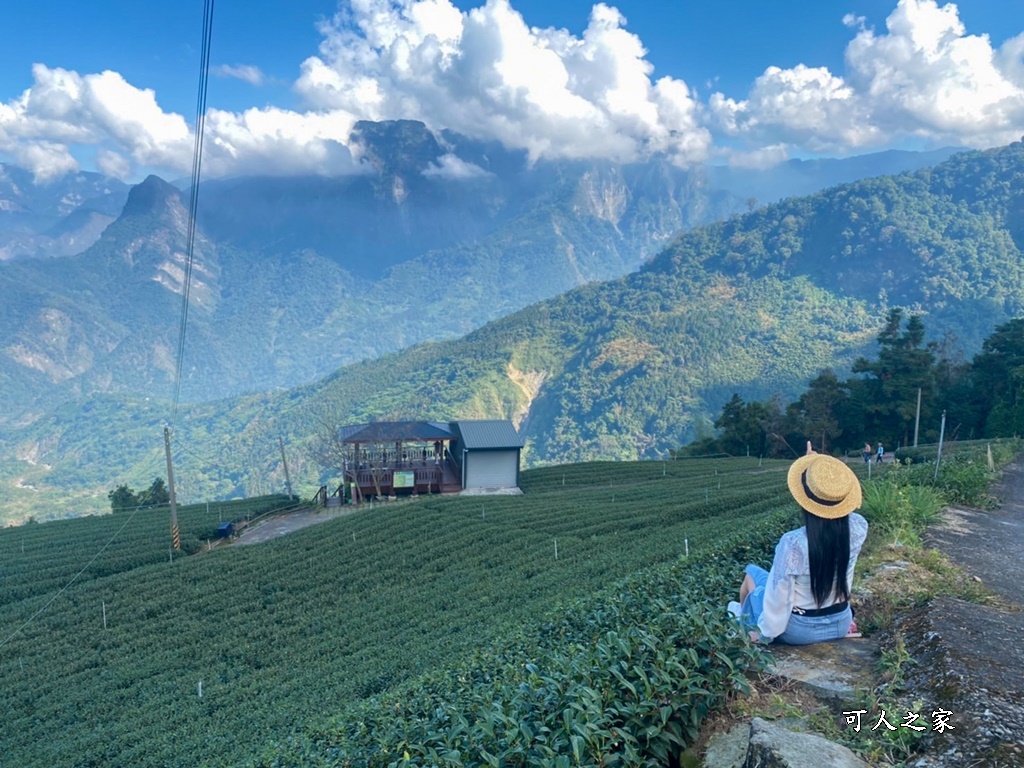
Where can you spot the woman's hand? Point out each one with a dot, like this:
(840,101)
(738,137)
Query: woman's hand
(754,636)
(810,448)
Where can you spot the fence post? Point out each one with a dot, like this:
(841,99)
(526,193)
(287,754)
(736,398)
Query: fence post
(938,456)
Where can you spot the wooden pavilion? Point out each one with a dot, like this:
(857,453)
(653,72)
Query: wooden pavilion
(393,458)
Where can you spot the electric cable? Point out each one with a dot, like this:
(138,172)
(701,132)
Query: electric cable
(208,460)
(197,153)
(142,502)
(197,164)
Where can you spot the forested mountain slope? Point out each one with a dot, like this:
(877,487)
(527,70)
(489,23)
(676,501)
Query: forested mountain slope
(945,241)
(434,235)
(294,277)
(757,304)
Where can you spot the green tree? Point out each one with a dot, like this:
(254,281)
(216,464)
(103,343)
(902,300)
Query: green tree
(735,431)
(954,394)
(122,498)
(997,378)
(157,493)
(890,389)
(815,415)
(749,427)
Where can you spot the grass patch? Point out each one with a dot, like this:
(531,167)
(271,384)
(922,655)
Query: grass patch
(896,579)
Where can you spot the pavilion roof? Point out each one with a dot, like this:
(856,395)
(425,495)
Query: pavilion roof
(392,431)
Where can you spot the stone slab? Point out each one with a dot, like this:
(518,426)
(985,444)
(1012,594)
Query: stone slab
(729,748)
(828,670)
(772,746)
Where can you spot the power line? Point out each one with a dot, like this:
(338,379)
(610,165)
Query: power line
(197,157)
(197,163)
(207,460)
(142,502)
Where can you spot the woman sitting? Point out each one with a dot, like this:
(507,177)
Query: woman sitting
(805,598)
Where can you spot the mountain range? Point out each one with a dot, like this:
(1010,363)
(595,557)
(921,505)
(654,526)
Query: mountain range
(439,236)
(56,217)
(295,277)
(292,278)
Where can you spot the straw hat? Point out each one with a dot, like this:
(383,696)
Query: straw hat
(824,486)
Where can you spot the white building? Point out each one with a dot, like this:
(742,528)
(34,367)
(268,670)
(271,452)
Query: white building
(488,453)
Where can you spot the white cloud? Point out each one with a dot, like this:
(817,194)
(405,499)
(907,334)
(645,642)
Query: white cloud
(245,72)
(762,157)
(63,109)
(113,164)
(451,167)
(489,75)
(928,77)
(852,20)
(925,77)
(45,159)
(486,74)
(811,108)
(1010,59)
(273,141)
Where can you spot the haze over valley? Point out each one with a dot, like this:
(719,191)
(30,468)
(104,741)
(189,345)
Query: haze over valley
(297,279)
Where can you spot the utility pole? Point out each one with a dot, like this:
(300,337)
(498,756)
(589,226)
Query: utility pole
(917,420)
(175,533)
(287,479)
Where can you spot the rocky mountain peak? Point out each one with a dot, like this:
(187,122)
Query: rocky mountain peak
(397,147)
(152,197)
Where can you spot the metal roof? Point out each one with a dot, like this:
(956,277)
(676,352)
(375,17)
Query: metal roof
(488,433)
(390,431)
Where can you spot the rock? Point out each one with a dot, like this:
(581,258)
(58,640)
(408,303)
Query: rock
(828,670)
(774,747)
(728,749)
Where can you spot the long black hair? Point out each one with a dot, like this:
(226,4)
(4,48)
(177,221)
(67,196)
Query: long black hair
(828,547)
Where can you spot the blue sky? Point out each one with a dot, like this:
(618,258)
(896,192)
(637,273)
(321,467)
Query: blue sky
(725,81)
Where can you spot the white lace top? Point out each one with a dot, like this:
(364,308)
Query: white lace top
(789,582)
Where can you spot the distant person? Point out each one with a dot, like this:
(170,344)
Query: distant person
(805,597)
(867,453)
(881,453)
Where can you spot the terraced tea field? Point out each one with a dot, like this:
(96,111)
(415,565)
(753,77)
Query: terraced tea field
(209,659)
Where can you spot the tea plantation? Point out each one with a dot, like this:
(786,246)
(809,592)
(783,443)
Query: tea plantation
(314,648)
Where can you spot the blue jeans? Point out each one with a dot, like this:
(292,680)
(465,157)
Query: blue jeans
(801,630)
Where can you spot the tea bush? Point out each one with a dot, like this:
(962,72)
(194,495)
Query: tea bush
(964,476)
(107,671)
(621,678)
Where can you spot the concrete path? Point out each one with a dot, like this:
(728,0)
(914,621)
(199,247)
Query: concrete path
(292,521)
(990,545)
(969,659)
